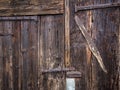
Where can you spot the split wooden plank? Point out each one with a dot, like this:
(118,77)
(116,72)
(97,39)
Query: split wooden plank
(30,7)
(67,33)
(90,42)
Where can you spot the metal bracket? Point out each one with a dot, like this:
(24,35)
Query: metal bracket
(56,70)
(20,18)
(6,34)
(99,6)
(70,72)
(74,74)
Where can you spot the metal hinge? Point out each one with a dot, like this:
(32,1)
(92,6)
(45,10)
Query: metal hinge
(70,72)
(20,18)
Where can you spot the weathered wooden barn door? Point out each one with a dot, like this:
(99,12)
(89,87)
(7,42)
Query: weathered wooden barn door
(18,53)
(29,46)
(101,19)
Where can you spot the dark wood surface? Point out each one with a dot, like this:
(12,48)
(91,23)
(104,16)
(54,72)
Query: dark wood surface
(103,27)
(30,44)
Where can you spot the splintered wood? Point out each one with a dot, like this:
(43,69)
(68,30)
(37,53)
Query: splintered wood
(90,43)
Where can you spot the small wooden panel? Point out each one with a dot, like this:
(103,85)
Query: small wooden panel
(30,7)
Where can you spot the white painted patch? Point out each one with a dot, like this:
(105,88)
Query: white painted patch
(70,82)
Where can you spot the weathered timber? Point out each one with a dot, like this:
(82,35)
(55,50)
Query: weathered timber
(30,7)
(52,51)
(90,42)
(99,6)
(8,57)
(67,33)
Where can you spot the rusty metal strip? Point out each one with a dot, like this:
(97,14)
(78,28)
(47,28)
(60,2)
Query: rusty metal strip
(90,43)
(99,6)
(74,74)
(19,18)
(58,70)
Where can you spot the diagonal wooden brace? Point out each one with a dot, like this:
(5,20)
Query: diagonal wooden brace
(90,43)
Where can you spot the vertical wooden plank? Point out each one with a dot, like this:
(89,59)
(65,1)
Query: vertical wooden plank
(40,54)
(80,53)
(33,52)
(1,57)
(52,35)
(7,57)
(25,56)
(119,50)
(67,33)
(16,26)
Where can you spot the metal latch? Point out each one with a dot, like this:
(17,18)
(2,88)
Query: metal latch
(70,72)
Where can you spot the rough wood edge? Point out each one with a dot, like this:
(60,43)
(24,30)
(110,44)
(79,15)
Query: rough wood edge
(67,33)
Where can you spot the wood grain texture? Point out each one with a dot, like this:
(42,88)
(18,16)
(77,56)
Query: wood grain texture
(18,54)
(67,33)
(30,7)
(52,51)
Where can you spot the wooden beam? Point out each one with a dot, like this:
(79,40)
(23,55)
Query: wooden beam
(67,33)
(30,7)
(99,6)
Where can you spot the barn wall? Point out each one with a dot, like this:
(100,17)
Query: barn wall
(30,45)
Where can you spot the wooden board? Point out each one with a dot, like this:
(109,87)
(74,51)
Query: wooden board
(30,7)
(51,37)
